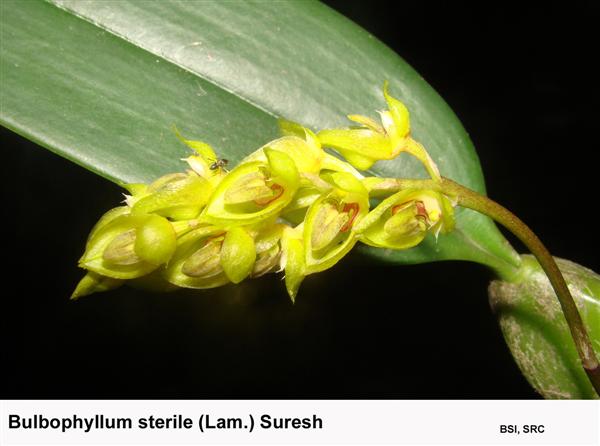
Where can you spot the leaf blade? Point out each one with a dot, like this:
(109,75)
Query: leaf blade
(108,101)
(221,71)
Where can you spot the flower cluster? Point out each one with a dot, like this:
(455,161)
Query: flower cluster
(290,206)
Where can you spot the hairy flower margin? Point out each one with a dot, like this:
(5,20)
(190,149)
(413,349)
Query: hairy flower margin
(290,206)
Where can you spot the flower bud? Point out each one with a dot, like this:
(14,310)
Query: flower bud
(111,251)
(536,331)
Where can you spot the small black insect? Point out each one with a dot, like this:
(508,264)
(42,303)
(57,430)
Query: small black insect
(219,164)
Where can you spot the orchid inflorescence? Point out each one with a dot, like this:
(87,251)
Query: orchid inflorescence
(290,206)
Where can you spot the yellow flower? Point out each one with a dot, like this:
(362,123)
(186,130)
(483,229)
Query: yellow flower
(254,191)
(403,220)
(371,141)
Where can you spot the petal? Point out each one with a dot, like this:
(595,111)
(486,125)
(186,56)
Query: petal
(364,142)
(177,196)
(136,189)
(282,166)
(399,114)
(155,240)
(346,183)
(238,254)
(359,161)
(306,154)
(201,148)
(367,122)
(290,128)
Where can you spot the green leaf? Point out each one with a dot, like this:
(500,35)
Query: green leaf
(101,83)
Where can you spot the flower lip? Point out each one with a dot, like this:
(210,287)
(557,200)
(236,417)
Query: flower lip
(277,192)
(421,211)
(352,210)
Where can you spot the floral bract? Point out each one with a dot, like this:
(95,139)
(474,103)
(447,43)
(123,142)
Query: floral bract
(290,206)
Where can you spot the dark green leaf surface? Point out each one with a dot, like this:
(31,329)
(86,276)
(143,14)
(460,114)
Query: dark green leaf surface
(102,82)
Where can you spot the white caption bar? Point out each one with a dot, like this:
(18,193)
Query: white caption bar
(307,422)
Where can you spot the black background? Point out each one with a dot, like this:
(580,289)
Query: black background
(521,79)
